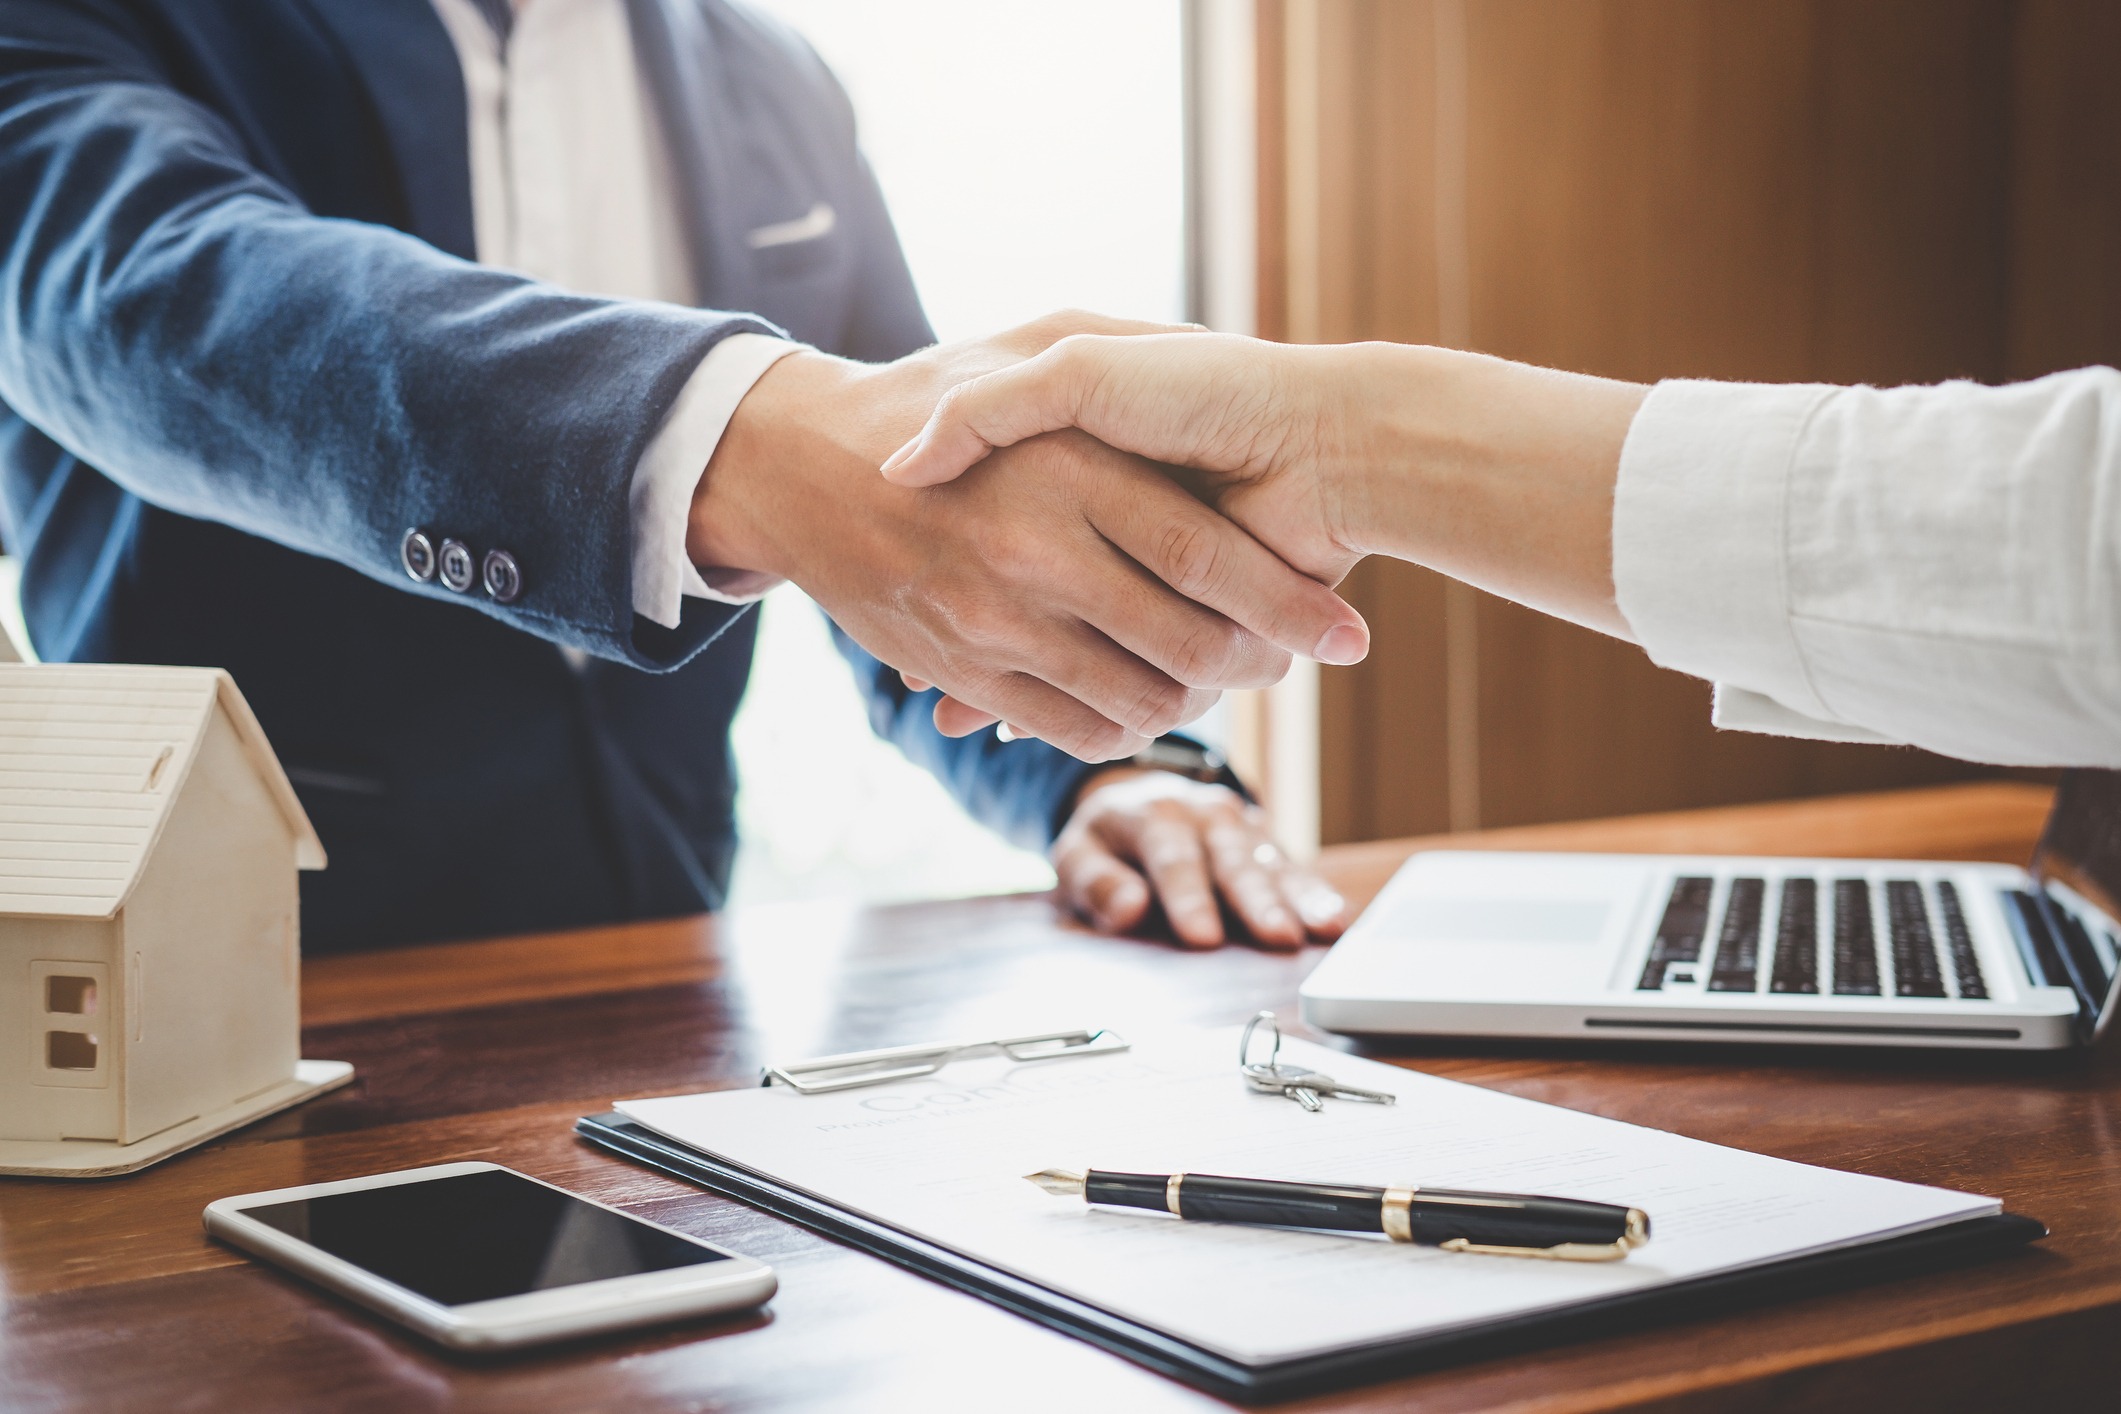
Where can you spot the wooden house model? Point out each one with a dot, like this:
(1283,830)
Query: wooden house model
(150,963)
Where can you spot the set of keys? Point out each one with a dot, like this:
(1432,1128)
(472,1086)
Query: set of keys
(1309,1088)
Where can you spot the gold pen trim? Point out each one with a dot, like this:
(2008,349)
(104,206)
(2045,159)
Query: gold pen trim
(1398,1213)
(1636,1233)
(1171,1187)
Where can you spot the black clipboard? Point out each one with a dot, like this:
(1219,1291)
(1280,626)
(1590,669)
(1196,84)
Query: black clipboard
(1971,1240)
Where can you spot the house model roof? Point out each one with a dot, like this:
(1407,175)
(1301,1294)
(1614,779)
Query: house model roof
(92,758)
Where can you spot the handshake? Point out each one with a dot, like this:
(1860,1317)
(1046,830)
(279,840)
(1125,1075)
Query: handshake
(1156,514)
(1083,530)
(1073,591)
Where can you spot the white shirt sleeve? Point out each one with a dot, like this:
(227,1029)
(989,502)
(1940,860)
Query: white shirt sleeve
(669,471)
(1935,566)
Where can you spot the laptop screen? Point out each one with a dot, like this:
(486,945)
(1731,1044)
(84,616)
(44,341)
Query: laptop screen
(2078,864)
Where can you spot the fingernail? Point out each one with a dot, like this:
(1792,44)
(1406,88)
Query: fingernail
(1004,731)
(1320,906)
(891,463)
(1342,645)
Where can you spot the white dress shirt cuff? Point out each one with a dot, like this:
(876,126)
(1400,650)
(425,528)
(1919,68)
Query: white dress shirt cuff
(670,470)
(1737,710)
(1700,546)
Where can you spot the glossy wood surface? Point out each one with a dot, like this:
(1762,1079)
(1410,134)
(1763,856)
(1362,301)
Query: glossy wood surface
(112,1299)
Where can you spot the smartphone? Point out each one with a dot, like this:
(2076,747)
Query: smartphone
(479,1257)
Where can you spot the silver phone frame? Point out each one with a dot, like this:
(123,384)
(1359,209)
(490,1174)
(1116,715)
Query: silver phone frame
(509,1322)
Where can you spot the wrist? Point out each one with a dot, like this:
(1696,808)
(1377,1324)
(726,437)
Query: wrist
(1097,780)
(1497,473)
(778,430)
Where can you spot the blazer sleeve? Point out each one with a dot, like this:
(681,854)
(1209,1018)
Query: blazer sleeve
(181,322)
(1021,790)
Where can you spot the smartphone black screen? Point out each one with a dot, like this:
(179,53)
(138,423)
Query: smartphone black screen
(480,1236)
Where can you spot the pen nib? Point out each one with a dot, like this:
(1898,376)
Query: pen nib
(1061,1183)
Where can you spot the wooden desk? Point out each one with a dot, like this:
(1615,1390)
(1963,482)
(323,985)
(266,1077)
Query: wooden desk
(111,1298)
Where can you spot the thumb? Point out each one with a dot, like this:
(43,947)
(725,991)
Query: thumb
(1042,394)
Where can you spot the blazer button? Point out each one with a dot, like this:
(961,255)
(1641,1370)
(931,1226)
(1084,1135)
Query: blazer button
(418,554)
(504,579)
(457,566)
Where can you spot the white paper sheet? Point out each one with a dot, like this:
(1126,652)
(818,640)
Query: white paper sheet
(944,1158)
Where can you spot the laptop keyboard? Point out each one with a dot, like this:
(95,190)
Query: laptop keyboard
(1680,932)
(1915,917)
(1737,963)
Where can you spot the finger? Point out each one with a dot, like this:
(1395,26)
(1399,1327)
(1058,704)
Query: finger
(954,718)
(1323,911)
(1247,865)
(1098,885)
(1211,560)
(1047,330)
(998,409)
(1050,714)
(1108,685)
(1088,665)
(914,684)
(1167,845)
(1185,641)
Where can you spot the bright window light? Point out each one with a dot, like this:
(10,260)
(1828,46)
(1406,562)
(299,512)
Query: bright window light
(1033,156)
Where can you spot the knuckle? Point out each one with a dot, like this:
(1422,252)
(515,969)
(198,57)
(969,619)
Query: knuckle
(1103,741)
(1190,557)
(1210,653)
(950,407)
(1159,706)
(983,621)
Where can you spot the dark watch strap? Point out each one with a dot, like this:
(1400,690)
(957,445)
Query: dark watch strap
(1183,756)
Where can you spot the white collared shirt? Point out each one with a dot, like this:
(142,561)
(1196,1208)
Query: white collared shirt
(1932,566)
(572,183)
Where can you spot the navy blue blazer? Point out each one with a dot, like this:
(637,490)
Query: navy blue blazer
(244,348)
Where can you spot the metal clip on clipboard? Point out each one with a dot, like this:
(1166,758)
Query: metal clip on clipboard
(857,1068)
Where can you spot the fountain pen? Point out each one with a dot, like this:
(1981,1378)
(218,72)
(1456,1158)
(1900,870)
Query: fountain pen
(1499,1224)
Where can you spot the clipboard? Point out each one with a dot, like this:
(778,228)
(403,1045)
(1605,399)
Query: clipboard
(1972,1240)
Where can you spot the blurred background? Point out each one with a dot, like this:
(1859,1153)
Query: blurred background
(1879,191)
(1034,159)
(1882,191)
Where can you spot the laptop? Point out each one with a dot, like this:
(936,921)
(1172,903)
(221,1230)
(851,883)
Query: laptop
(1730,948)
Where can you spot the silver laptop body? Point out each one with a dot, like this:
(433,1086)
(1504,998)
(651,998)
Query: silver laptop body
(1752,949)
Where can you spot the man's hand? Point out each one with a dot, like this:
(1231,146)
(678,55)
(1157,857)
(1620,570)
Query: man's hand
(1265,422)
(1150,837)
(1072,590)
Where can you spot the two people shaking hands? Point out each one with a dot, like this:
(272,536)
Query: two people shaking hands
(456,372)
(1934,566)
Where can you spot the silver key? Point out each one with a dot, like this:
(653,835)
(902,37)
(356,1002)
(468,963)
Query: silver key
(1309,1088)
(1286,1081)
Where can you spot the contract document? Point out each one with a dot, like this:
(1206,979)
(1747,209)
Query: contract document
(943,1159)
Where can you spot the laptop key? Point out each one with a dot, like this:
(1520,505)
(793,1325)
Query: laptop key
(1966,967)
(1679,934)
(1796,964)
(1736,967)
(1855,940)
(1907,926)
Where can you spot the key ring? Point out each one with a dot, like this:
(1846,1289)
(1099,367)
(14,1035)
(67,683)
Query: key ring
(1244,1044)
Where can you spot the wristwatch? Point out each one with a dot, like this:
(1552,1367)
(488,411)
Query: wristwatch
(1183,756)
(1180,755)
